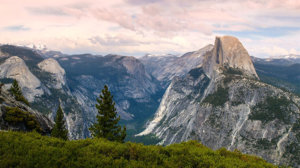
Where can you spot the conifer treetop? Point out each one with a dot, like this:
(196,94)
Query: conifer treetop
(106,125)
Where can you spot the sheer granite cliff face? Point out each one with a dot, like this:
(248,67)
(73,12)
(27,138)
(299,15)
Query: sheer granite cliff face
(223,104)
(228,51)
(15,68)
(51,66)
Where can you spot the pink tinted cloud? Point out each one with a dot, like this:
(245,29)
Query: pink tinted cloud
(153,19)
(179,21)
(164,17)
(116,16)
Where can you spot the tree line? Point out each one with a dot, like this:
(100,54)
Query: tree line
(107,120)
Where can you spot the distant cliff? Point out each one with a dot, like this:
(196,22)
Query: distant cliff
(222,103)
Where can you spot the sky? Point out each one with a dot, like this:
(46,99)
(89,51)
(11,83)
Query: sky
(137,27)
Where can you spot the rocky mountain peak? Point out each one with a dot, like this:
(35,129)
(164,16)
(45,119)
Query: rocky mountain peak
(52,66)
(15,68)
(228,51)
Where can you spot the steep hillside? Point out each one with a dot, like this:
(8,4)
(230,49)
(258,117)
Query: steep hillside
(17,116)
(76,81)
(165,68)
(224,104)
(284,74)
(135,92)
(33,150)
(15,68)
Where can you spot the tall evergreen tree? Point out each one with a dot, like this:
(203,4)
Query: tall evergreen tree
(16,91)
(59,130)
(106,125)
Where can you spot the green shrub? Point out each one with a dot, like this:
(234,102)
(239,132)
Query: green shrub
(232,71)
(296,126)
(270,109)
(16,91)
(218,98)
(15,115)
(264,144)
(33,150)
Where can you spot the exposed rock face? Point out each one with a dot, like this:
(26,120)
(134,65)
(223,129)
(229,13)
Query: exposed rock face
(15,68)
(7,101)
(75,83)
(126,77)
(228,51)
(165,68)
(52,66)
(222,104)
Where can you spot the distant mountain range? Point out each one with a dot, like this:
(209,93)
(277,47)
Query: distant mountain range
(165,68)
(218,94)
(76,81)
(283,72)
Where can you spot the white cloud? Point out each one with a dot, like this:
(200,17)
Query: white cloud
(148,26)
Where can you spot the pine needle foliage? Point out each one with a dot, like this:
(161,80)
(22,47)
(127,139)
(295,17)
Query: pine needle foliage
(107,125)
(59,130)
(16,91)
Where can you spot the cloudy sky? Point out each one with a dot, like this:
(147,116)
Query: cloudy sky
(135,27)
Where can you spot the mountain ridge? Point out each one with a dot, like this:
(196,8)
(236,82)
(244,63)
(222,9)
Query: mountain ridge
(77,81)
(215,99)
(225,105)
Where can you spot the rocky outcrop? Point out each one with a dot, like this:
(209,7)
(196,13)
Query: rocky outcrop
(223,104)
(46,84)
(26,119)
(228,52)
(58,73)
(15,68)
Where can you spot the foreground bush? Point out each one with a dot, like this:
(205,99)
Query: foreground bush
(33,150)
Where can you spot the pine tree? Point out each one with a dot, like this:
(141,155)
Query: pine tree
(106,125)
(16,91)
(1,85)
(59,130)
